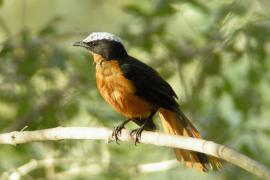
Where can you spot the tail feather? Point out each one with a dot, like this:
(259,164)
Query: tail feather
(179,124)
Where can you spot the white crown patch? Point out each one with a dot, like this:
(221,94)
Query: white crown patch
(102,35)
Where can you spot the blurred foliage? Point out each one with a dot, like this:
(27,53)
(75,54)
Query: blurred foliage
(215,54)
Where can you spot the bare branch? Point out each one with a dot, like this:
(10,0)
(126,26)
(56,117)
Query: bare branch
(157,166)
(33,164)
(159,139)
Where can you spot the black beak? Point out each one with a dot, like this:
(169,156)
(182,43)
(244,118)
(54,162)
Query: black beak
(81,44)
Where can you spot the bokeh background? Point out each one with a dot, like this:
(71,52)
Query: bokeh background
(214,53)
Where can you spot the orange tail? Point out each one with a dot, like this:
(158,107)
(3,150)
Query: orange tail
(179,124)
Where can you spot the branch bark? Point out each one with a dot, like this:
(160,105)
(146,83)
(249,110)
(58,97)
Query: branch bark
(159,139)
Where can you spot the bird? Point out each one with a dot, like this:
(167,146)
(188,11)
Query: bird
(138,92)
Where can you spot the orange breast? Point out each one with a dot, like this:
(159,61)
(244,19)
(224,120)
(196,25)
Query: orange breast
(119,91)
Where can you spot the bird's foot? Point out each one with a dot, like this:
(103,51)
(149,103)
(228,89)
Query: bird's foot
(118,129)
(117,132)
(137,132)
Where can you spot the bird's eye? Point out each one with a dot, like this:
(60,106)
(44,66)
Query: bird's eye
(94,43)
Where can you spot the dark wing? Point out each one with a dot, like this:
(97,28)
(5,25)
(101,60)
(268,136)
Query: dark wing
(149,85)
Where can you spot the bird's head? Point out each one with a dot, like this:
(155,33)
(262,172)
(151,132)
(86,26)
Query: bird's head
(107,45)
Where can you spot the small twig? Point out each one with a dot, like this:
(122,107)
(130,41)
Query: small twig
(159,139)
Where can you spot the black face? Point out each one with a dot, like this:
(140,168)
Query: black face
(107,49)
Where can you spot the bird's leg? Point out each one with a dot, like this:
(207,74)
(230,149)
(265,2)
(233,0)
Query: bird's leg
(117,130)
(138,132)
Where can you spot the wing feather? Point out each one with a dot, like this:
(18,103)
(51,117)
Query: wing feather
(149,85)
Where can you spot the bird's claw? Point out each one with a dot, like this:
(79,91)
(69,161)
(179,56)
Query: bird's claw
(137,132)
(117,132)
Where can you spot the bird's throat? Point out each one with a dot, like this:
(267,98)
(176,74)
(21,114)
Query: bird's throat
(98,59)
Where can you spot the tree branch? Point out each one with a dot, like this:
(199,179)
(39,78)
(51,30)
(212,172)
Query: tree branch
(31,165)
(154,138)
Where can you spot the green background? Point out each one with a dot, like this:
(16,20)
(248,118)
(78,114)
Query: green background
(215,54)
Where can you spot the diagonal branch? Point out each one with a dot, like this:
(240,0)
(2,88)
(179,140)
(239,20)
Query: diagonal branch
(159,139)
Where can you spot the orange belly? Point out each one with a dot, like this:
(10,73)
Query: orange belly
(119,91)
